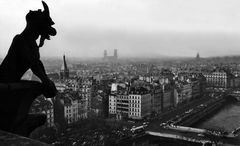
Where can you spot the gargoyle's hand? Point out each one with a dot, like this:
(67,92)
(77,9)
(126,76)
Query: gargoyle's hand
(49,89)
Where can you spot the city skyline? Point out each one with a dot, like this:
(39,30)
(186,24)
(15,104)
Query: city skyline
(135,28)
(129,72)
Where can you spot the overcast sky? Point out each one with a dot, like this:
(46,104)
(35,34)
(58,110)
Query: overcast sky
(141,28)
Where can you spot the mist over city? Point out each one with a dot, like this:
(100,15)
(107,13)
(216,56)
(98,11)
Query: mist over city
(136,28)
(114,73)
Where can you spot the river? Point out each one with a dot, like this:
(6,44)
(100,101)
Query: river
(227,119)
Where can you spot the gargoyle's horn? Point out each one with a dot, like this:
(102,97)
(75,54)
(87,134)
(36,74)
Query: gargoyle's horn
(45,6)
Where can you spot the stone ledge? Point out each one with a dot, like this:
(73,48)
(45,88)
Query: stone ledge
(9,139)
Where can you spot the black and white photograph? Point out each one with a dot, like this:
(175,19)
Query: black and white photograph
(120,73)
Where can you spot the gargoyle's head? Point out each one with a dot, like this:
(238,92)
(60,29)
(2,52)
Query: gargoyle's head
(42,23)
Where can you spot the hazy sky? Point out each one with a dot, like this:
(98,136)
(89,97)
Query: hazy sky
(134,27)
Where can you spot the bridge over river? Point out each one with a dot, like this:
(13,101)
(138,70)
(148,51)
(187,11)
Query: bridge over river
(200,136)
(183,135)
(161,131)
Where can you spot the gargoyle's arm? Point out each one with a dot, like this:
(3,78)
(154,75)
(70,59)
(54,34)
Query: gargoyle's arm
(32,58)
(38,69)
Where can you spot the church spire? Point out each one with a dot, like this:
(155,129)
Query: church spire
(64,72)
(198,56)
(64,66)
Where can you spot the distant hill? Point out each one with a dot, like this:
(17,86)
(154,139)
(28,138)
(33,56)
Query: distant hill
(224,59)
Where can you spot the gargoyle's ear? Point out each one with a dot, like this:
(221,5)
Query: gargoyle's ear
(45,6)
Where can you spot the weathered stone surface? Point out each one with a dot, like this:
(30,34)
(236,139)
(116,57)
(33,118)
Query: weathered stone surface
(9,139)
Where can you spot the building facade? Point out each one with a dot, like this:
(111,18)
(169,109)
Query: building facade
(132,103)
(42,105)
(157,99)
(112,105)
(69,107)
(139,103)
(122,106)
(219,79)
